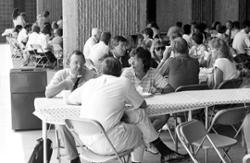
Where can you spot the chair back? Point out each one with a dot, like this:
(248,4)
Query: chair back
(233,83)
(229,116)
(246,158)
(85,127)
(192,87)
(192,131)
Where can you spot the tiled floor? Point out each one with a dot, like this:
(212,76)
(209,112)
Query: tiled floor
(16,147)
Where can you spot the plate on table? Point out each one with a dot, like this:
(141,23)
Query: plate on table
(146,94)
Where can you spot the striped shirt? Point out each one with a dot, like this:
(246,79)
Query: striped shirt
(152,82)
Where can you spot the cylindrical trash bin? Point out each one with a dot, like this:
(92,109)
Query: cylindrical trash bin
(25,86)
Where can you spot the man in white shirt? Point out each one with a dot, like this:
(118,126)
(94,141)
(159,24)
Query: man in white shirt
(241,40)
(65,80)
(99,50)
(94,39)
(22,37)
(103,99)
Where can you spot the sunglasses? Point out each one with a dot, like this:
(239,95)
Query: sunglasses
(160,48)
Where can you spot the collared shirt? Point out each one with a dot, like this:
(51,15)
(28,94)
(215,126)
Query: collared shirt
(104,98)
(152,82)
(89,43)
(241,42)
(98,51)
(63,74)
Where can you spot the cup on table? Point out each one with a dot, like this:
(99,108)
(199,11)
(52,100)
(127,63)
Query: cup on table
(66,94)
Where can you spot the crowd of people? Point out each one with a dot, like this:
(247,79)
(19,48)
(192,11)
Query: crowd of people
(117,70)
(43,33)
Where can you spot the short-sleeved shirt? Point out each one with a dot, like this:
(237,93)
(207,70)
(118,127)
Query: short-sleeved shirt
(98,51)
(63,74)
(241,42)
(227,67)
(181,70)
(104,98)
(152,81)
(87,46)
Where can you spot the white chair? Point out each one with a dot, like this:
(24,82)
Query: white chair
(193,134)
(89,127)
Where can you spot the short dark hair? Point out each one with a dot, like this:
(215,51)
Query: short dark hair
(180,45)
(115,41)
(187,29)
(246,23)
(35,28)
(111,66)
(179,24)
(59,31)
(143,54)
(78,53)
(149,32)
(105,37)
(46,13)
(197,37)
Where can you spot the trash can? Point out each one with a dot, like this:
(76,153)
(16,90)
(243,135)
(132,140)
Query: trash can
(25,86)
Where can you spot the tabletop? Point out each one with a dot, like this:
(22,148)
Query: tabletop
(55,110)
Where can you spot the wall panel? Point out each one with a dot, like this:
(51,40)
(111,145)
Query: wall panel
(168,12)
(53,6)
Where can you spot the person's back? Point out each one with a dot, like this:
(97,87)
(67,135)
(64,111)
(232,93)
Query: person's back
(182,69)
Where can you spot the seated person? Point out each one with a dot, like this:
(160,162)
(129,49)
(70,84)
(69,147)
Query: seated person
(198,50)
(119,49)
(146,78)
(33,39)
(65,80)
(224,67)
(182,69)
(57,39)
(157,50)
(112,93)
(23,35)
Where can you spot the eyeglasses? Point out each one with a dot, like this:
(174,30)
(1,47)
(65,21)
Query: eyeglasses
(160,48)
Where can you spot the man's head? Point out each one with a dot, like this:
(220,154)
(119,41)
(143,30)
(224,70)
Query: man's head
(148,33)
(35,28)
(105,37)
(246,26)
(180,46)
(96,33)
(119,45)
(76,62)
(111,66)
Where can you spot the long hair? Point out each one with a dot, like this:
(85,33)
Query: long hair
(144,55)
(222,48)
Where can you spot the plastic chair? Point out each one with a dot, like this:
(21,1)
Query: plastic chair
(246,158)
(193,134)
(89,127)
(229,117)
(40,59)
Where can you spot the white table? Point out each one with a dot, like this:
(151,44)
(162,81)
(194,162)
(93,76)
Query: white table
(55,110)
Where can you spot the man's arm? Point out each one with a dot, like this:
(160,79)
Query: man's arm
(59,83)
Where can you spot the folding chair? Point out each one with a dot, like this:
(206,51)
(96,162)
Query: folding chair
(227,84)
(15,48)
(246,158)
(193,134)
(229,117)
(58,52)
(185,88)
(89,127)
(40,59)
